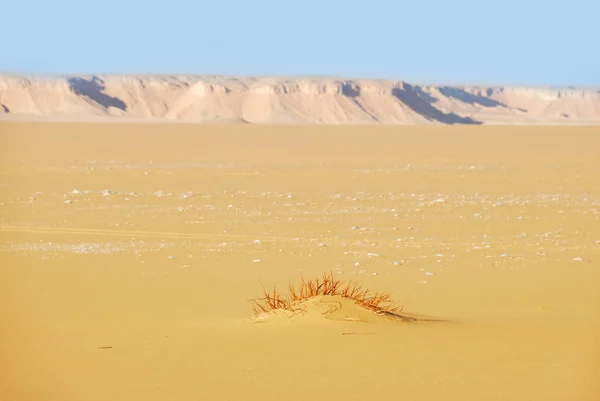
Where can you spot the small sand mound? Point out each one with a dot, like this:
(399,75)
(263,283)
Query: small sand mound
(330,298)
(330,307)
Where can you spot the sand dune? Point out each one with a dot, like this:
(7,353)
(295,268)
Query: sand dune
(210,99)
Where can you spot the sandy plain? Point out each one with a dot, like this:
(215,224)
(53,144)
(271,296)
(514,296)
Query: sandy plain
(128,254)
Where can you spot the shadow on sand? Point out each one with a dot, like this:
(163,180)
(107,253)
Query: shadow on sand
(470,98)
(408,95)
(93,90)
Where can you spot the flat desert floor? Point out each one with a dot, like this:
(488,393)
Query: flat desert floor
(129,254)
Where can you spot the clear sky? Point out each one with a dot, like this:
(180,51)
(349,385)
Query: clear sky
(436,41)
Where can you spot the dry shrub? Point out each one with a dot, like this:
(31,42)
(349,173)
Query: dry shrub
(326,285)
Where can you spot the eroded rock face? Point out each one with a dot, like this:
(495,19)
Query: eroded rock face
(290,100)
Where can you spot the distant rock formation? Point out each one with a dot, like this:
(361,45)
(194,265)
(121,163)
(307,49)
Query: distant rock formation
(204,99)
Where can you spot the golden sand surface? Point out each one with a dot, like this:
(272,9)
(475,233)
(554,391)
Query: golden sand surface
(129,254)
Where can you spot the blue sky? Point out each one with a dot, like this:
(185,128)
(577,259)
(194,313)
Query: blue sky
(462,41)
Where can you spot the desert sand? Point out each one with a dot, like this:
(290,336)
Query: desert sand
(129,254)
(289,100)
